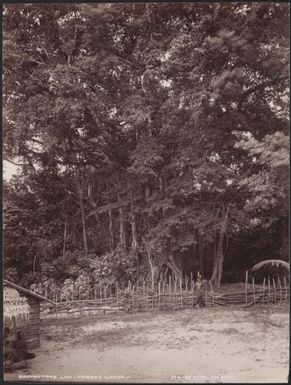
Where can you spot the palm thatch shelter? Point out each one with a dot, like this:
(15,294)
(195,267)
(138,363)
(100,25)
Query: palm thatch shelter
(273,268)
(21,310)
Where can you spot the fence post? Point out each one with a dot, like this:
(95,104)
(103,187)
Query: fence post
(212,292)
(170,291)
(285,288)
(159,293)
(144,295)
(279,284)
(269,288)
(117,296)
(264,289)
(54,299)
(105,296)
(275,294)
(181,293)
(246,288)
(132,298)
(254,290)
(206,298)
(100,294)
(175,291)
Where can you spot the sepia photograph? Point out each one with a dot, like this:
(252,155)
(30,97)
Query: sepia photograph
(145,153)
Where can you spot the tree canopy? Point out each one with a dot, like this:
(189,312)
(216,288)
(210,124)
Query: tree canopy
(152,139)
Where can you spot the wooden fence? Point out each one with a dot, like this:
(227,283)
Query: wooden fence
(171,295)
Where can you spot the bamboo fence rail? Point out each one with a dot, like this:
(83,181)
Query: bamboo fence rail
(170,295)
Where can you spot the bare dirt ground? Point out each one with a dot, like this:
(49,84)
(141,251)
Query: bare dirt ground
(201,345)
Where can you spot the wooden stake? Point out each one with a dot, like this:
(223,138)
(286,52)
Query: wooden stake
(192,295)
(117,297)
(170,290)
(105,296)
(79,304)
(143,292)
(275,294)
(264,289)
(269,288)
(285,287)
(246,288)
(159,288)
(181,293)
(212,292)
(280,286)
(254,289)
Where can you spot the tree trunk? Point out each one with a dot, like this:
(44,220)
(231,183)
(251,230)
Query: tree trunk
(110,229)
(176,270)
(65,237)
(152,266)
(122,229)
(92,203)
(80,192)
(200,255)
(218,262)
(34,263)
(147,192)
(162,192)
(134,241)
(84,225)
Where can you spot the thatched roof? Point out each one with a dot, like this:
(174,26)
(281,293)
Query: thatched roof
(271,263)
(15,307)
(26,292)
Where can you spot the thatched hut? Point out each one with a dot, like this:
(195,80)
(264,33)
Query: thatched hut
(21,308)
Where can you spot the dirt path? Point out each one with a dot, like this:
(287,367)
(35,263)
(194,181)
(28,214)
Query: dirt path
(204,345)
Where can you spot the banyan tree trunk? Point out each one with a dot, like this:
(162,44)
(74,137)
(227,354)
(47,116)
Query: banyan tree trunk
(176,270)
(219,257)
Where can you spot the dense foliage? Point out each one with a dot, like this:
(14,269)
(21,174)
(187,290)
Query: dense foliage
(152,139)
